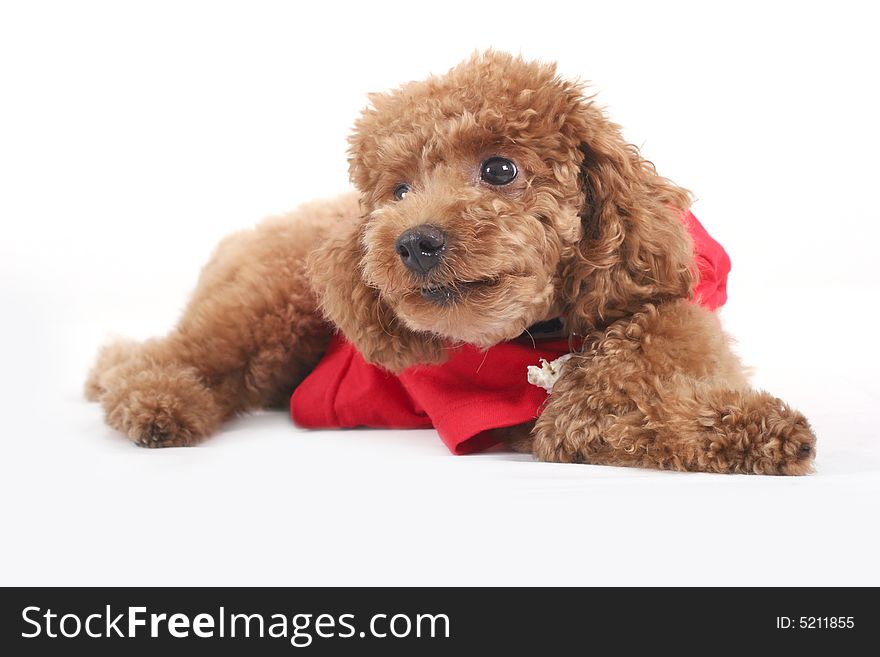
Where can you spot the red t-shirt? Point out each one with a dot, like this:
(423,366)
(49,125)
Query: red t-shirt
(471,393)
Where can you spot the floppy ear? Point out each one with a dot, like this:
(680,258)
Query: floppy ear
(356,309)
(635,248)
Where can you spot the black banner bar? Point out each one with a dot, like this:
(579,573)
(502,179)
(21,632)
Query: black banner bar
(427,621)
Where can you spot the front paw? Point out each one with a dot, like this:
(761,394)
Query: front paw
(763,435)
(162,406)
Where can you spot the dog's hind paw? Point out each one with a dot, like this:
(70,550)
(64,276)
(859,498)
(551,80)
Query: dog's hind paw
(162,406)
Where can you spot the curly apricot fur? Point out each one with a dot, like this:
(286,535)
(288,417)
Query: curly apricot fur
(588,232)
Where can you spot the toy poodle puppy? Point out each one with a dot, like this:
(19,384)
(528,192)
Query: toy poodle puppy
(492,200)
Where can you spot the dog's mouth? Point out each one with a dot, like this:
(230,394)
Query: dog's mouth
(480,312)
(444,295)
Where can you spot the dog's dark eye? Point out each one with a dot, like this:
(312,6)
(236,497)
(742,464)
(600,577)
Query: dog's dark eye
(498,171)
(400,191)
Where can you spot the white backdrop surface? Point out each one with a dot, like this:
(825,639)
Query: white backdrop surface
(134,135)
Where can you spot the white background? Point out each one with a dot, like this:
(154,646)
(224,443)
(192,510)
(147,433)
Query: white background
(134,135)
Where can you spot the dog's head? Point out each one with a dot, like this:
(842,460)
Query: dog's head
(495,197)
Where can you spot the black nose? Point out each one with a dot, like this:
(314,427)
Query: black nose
(421,247)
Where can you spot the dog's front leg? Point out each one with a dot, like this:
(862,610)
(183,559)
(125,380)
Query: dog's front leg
(662,389)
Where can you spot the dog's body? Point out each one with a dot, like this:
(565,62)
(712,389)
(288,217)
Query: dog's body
(492,198)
